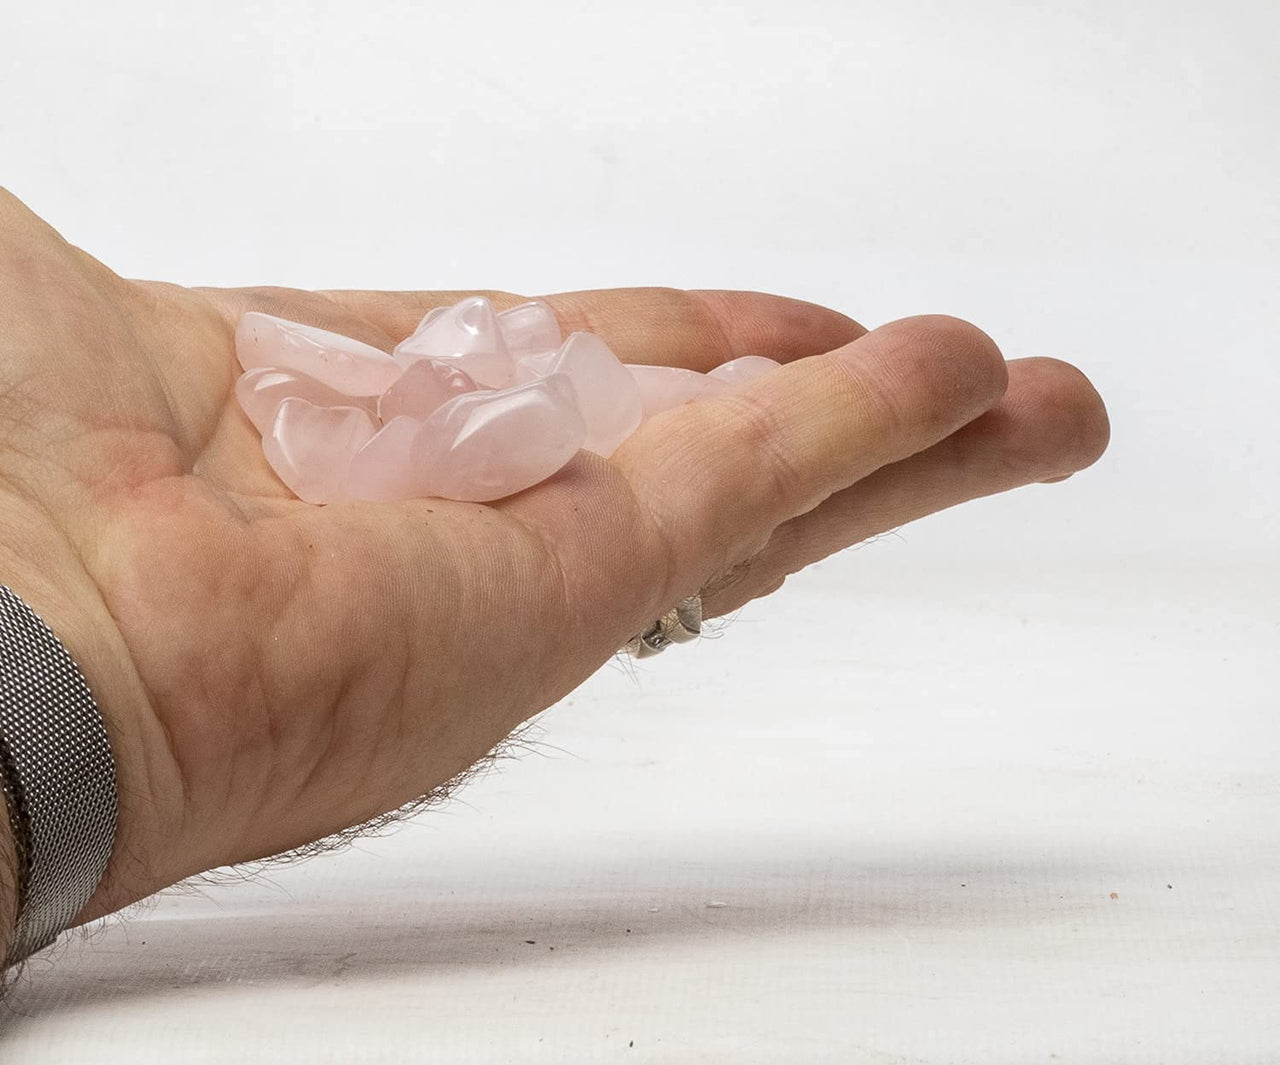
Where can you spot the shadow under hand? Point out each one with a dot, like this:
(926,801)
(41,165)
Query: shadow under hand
(440,929)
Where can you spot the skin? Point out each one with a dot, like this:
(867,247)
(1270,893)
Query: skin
(273,672)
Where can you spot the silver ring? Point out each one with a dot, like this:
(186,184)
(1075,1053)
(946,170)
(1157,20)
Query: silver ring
(680,624)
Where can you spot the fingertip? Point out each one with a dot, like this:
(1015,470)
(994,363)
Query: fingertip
(1070,416)
(931,370)
(970,348)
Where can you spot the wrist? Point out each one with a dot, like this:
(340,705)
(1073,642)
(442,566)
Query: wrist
(42,569)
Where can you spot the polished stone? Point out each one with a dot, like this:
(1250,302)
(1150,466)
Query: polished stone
(475,405)
(529,329)
(310,447)
(382,471)
(343,364)
(425,385)
(664,387)
(259,392)
(466,335)
(488,445)
(607,395)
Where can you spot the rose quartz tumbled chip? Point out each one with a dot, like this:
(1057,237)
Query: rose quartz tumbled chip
(425,385)
(475,405)
(345,365)
(466,335)
(310,447)
(382,471)
(607,395)
(486,445)
(664,387)
(259,392)
(529,328)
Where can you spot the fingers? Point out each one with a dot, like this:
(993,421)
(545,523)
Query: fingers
(718,476)
(697,330)
(1050,423)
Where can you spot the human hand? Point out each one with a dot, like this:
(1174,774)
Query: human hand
(272,672)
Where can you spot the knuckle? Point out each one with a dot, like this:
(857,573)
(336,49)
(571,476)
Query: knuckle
(879,398)
(761,427)
(752,578)
(728,581)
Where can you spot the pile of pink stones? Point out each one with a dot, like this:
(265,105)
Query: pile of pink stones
(475,405)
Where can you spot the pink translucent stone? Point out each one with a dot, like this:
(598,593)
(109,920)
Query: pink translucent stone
(382,470)
(260,391)
(664,387)
(529,328)
(345,365)
(607,395)
(310,447)
(466,334)
(430,317)
(422,388)
(487,445)
(473,406)
(747,368)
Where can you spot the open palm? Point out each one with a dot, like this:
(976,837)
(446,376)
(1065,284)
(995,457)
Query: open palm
(272,671)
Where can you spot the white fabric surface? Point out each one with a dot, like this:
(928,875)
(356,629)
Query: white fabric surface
(1002,789)
(986,817)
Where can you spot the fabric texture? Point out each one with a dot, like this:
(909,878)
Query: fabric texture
(57,775)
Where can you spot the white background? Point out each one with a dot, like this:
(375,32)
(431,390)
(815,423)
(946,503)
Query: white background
(915,777)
